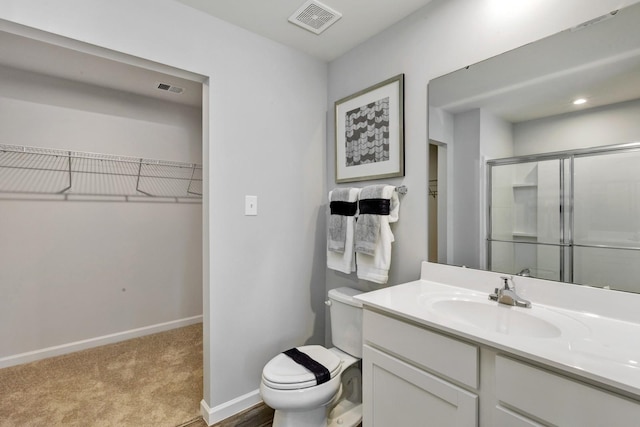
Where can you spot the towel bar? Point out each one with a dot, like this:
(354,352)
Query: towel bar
(402,189)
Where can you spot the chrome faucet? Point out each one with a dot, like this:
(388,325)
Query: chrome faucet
(507,295)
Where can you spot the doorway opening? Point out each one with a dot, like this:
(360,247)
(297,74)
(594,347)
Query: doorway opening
(96,270)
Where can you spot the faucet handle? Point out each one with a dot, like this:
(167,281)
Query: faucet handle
(506,280)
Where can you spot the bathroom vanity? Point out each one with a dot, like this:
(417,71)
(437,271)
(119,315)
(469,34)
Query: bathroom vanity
(439,352)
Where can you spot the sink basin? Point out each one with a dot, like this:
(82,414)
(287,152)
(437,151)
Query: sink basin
(514,321)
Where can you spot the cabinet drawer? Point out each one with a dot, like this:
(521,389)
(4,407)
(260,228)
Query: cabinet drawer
(452,358)
(559,400)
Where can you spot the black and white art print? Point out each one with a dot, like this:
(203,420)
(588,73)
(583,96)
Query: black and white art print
(369,133)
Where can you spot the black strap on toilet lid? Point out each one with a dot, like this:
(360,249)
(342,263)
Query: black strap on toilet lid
(321,373)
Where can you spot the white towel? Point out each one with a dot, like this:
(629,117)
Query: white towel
(337,229)
(368,225)
(345,261)
(375,268)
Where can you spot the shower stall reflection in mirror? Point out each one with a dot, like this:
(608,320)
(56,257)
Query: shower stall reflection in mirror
(437,202)
(108,270)
(549,218)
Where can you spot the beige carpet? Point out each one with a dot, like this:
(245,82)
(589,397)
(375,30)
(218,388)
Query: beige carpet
(153,381)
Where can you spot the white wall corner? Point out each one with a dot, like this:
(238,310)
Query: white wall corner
(230,408)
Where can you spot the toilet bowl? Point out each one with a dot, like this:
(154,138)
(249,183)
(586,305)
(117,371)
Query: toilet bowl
(293,390)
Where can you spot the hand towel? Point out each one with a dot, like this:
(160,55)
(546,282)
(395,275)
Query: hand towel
(372,208)
(337,233)
(375,268)
(344,261)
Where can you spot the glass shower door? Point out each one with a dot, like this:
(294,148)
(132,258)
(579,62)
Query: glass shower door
(606,220)
(525,230)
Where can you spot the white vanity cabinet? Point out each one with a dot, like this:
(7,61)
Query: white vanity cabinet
(399,384)
(414,375)
(438,351)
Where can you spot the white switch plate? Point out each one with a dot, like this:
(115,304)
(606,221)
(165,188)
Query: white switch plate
(251,205)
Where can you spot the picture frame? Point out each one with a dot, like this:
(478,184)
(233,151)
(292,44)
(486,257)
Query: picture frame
(369,126)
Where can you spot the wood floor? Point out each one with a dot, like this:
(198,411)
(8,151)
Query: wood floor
(259,415)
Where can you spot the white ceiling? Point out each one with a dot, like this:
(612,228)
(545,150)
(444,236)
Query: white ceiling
(520,70)
(361,19)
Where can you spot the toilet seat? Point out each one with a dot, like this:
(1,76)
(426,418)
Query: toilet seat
(282,373)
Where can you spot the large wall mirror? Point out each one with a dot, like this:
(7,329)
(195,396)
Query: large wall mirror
(535,158)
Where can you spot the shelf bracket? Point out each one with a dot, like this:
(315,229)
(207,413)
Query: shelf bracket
(69,186)
(193,171)
(138,181)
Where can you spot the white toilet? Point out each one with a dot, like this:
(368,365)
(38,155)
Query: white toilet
(291,389)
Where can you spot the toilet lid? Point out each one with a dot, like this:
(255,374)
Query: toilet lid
(283,373)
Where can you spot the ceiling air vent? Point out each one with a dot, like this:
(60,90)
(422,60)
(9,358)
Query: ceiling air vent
(314,16)
(169,88)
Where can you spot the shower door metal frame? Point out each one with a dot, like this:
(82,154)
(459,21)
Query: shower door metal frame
(566,213)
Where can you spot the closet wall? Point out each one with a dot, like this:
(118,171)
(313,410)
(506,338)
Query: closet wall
(83,270)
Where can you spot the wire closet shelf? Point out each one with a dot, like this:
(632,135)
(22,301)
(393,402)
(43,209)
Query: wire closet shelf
(27,172)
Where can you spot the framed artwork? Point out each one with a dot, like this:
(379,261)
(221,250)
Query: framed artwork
(370,132)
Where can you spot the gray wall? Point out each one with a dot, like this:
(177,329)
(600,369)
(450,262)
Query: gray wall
(45,111)
(612,124)
(465,189)
(440,38)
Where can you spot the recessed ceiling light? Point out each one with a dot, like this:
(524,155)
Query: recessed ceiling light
(579,101)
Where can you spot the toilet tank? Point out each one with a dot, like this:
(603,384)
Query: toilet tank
(346,320)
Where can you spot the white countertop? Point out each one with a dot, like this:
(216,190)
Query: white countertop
(592,346)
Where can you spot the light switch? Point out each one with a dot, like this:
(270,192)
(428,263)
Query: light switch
(251,205)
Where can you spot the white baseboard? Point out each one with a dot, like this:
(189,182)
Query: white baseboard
(230,408)
(58,350)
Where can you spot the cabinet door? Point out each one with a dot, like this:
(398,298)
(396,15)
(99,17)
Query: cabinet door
(561,401)
(506,418)
(398,394)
